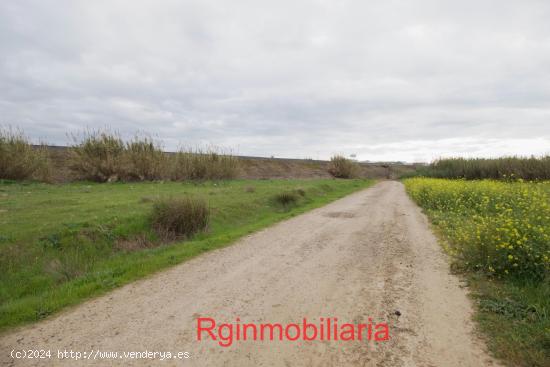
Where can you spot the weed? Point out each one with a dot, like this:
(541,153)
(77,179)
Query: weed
(19,160)
(341,167)
(286,198)
(97,156)
(143,159)
(505,168)
(204,165)
(180,217)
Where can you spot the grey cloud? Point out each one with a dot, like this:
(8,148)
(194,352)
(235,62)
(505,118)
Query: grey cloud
(382,79)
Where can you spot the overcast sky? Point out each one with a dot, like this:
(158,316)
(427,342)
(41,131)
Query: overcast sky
(385,80)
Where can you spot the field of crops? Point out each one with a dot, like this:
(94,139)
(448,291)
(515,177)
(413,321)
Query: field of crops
(498,234)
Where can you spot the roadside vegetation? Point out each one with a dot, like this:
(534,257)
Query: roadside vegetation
(498,234)
(103,156)
(175,218)
(203,164)
(61,244)
(505,168)
(290,198)
(19,160)
(342,167)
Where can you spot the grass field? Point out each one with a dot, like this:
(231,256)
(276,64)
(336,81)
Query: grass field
(61,244)
(498,234)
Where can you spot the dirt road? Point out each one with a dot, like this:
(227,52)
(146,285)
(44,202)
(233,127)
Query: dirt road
(366,255)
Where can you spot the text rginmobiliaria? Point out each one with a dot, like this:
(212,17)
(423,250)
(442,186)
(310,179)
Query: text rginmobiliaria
(326,329)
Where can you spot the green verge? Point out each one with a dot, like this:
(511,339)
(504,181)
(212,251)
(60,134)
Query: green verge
(62,244)
(513,312)
(514,315)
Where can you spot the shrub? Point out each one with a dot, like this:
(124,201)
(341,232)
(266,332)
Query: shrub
(505,168)
(19,160)
(97,156)
(204,165)
(143,159)
(341,167)
(286,198)
(180,217)
(103,156)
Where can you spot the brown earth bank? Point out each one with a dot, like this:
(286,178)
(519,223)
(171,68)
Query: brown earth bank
(264,168)
(368,255)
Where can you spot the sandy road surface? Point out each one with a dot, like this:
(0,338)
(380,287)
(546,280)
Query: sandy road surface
(366,255)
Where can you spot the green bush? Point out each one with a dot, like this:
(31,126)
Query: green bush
(180,217)
(341,167)
(19,160)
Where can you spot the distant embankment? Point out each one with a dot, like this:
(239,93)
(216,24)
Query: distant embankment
(265,168)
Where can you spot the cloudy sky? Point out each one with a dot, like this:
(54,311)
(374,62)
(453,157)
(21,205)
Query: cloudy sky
(385,80)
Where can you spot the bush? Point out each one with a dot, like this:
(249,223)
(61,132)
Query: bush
(505,168)
(103,156)
(180,217)
(19,160)
(97,156)
(286,198)
(341,167)
(143,159)
(204,165)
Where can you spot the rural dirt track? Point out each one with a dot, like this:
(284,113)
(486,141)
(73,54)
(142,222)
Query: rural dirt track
(365,255)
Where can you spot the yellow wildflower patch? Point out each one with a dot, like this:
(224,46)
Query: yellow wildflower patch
(497,227)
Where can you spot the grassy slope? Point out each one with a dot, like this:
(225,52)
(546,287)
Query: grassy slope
(58,243)
(514,313)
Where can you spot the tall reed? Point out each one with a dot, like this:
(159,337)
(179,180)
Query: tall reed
(505,168)
(204,164)
(20,160)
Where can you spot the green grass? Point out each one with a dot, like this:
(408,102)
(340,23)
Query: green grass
(515,316)
(497,235)
(61,244)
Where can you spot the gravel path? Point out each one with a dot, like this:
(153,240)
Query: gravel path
(369,254)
